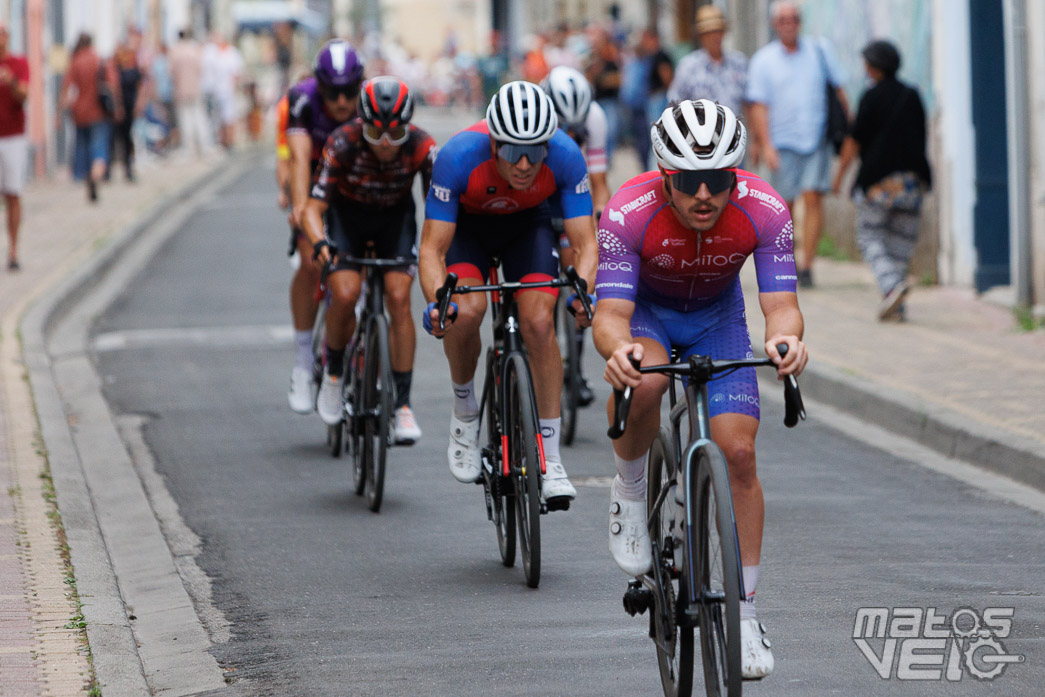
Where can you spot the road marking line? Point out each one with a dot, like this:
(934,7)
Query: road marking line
(254,335)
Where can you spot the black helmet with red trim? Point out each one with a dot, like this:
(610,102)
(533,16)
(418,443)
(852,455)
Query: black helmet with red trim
(386,102)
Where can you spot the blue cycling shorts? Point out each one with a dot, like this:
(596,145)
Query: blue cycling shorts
(718,330)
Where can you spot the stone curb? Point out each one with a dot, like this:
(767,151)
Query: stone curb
(935,427)
(117,661)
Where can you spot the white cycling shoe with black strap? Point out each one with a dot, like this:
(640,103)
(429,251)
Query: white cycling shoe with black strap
(629,538)
(463,452)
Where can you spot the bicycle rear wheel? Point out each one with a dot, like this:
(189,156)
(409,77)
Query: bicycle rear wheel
(571,376)
(377,399)
(525,465)
(502,493)
(718,575)
(674,643)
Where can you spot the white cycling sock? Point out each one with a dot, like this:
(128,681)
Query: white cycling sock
(550,429)
(303,348)
(631,477)
(747,607)
(466,407)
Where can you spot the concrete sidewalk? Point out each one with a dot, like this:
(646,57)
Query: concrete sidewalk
(43,647)
(959,376)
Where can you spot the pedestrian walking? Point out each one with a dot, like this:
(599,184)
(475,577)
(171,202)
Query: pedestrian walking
(644,90)
(131,74)
(711,72)
(90,91)
(786,91)
(228,73)
(14,149)
(889,138)
(186,65)
(604,74)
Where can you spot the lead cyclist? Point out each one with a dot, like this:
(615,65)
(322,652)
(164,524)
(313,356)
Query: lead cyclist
(671,247)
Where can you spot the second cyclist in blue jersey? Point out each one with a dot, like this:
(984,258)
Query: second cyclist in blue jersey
(671,246)
(490,195)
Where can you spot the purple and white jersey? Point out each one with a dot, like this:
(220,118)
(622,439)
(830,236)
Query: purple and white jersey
(646,253)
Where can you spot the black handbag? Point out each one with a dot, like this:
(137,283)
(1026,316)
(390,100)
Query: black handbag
(837,125)
(106,100)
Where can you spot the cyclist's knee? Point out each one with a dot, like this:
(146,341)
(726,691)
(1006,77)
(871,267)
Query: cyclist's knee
(469,314)
(398,301)
(650,393)
(740,454)
(343,296)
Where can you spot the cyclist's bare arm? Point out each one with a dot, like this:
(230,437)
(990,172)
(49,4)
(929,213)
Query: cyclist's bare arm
(312,224)
(784,325)
(436,236)
(600,191)
(283,181)
(611,332)
(300,145)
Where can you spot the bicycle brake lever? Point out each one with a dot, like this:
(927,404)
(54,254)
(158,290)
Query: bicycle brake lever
(621,406)
(442,295)
(580,287)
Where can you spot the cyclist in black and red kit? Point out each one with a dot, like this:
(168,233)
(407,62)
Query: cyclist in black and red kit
(364,186)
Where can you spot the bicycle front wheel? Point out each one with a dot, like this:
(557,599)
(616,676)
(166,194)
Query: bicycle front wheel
(502,492)
(718,575)
(525,465)
(354,416)
(674,643)
(377,391)
(571,376)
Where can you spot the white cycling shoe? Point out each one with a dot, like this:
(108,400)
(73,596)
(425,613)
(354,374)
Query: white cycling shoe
(405,430)
(331,409)
(629,538)
(756,660)
(463,453)
(555,484)
(302,398)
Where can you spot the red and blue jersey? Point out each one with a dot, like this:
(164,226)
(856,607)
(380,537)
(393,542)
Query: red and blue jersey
(646,253)
(465,175)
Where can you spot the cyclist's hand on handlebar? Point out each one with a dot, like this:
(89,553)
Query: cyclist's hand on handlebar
(619,371)
(430,319)
(576,308)
(795,360)
(323,254)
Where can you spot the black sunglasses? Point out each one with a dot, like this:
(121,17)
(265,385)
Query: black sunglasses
(332,93)
(688,182)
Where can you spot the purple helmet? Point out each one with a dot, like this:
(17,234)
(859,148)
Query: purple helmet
(338,65)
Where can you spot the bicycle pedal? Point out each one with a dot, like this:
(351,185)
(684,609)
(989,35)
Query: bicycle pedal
(637,599)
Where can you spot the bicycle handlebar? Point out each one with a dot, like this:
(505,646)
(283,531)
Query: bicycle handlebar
(570,278)
(794,410)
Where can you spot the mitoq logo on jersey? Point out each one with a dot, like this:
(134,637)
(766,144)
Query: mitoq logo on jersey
(912,643)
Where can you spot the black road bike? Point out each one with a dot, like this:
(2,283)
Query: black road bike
(572,379)
(513,456)
(367,392)
(696,579)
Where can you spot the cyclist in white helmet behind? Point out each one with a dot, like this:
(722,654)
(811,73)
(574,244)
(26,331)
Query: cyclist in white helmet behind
(489,197)
(584,121)
(671,246)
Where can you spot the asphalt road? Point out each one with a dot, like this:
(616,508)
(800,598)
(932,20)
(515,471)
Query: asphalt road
(325,598)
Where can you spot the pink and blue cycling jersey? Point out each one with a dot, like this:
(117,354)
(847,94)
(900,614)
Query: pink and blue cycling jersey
(646,254)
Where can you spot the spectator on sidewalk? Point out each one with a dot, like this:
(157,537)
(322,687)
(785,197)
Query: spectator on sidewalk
(786,90)
(228,74)
(889,138)
(604,74)
(90,91)
(711,72)
(644,90)
(14,149)
(163,95)
(132,77)
(186,59)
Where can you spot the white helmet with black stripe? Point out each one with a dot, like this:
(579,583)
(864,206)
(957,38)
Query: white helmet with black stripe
(570,93)
(521,113)
(698,134)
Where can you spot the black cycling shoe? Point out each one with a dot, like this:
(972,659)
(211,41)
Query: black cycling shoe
(584,394)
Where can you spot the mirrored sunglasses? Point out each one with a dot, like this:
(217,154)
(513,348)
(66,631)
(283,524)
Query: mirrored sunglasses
(513,153)
(396,135)
(688,181)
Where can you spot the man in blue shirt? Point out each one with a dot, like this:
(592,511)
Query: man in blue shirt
(788,115)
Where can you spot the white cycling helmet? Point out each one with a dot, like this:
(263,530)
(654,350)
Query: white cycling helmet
(698,134)
(521,113)
(570,93)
